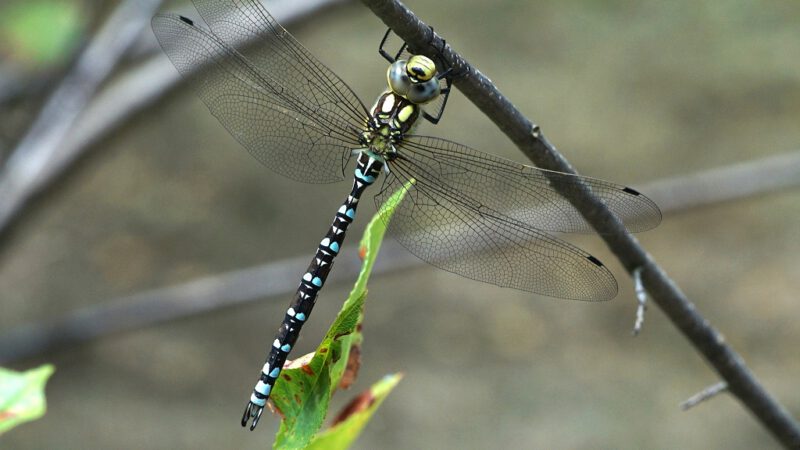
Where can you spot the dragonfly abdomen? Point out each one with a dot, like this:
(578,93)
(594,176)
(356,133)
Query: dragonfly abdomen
(313,279)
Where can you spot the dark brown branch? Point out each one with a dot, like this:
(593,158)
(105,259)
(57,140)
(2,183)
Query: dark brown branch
(530,139)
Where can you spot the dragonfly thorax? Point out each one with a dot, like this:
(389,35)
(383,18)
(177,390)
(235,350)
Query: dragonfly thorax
(391,118)
(412,83)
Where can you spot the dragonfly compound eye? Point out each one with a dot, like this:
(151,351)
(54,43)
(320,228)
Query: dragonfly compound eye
(420,68)
(399,81)
(424,92)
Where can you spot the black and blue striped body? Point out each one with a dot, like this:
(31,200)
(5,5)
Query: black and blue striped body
(367,170)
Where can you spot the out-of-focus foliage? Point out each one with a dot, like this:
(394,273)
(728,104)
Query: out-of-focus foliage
(22,396)
(39,33)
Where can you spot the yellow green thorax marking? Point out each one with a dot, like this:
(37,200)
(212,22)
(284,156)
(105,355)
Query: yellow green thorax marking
(406,113)
(393,116)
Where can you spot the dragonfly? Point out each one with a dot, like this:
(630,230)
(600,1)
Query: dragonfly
(471,213)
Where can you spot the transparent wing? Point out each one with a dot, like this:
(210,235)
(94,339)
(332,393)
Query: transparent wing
(280,55)
(519,192)
(306,138)
(453,233)
(483,217)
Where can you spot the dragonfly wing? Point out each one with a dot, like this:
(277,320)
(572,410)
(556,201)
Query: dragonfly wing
(286,132)
(457,234)
(517,191)
(279,54)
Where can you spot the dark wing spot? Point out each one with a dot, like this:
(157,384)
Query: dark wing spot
(631,191)
(594,261)
(187,20)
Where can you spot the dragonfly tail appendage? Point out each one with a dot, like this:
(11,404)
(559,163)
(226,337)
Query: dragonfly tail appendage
(252,411)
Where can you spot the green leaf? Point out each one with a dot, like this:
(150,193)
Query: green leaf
(304,389)
(22,396)
(355,416)
(41,32)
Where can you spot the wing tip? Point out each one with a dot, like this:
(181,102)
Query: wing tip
(648,222)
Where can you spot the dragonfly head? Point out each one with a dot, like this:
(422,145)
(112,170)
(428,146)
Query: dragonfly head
(414,79)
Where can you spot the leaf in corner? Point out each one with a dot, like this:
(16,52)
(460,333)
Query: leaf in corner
(22,396)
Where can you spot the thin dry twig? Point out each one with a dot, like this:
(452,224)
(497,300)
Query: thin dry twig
(641,297)
(182,300)
(532,142)
(706,394)
(745,179)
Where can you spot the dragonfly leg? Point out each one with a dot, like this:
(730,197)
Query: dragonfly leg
(445,72)
(384,53)
(446,93)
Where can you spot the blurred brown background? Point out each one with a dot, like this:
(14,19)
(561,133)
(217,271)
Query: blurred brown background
(630,91)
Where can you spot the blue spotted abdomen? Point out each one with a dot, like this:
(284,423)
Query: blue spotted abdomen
(313,279)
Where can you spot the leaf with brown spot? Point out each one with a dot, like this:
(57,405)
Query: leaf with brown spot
(359,403)
(351,370)
(355,416)
(303,393)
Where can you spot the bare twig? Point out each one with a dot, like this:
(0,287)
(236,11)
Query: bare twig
(736,181)
(641,297)
(246,285)
(706,394)
(219,291)
(38,153)
(22,179)
(530,139)
(194,297)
